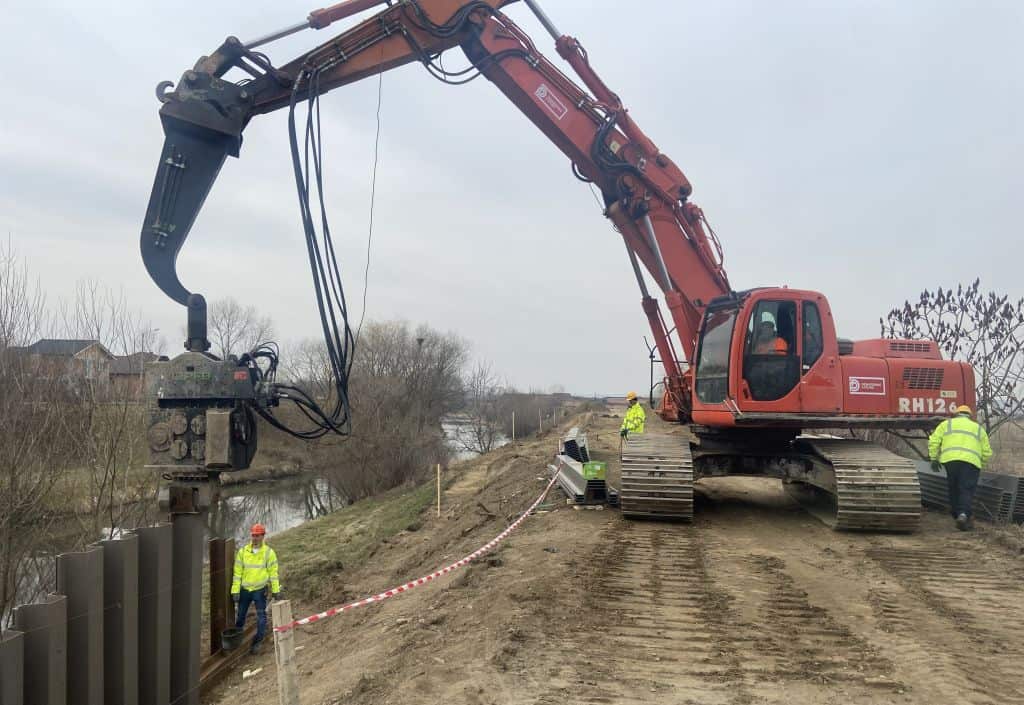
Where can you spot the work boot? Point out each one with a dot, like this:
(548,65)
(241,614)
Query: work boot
(962,522)
(254,649)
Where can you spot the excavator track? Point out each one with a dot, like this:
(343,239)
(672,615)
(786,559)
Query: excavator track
(875,490)
(657,477)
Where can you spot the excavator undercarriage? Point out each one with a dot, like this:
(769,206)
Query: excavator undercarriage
(869,488)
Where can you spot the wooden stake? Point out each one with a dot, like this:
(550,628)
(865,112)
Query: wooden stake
(284,652)
(513,426)
(439,490)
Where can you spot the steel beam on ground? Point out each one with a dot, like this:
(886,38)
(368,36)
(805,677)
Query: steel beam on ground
(155,580)
(572,482)
(12,667)
(574,444)
(45,629)
(80,577)
(121,620)
(1017,513)
(994,498)
(186,608)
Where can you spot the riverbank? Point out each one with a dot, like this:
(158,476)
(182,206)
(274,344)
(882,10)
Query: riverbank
(586,606)
(264,473)
(378,543)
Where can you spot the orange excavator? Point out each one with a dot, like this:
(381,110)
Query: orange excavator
(754,369)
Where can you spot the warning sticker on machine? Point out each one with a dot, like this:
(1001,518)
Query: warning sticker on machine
(551,101)
(868,386)
(948,394)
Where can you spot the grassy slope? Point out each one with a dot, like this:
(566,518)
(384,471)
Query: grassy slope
(310,554)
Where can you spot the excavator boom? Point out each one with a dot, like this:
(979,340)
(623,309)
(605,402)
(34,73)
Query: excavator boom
(757,366)
(646,194)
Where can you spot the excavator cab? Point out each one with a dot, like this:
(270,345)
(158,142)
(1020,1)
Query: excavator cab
(766,351)
(771,358)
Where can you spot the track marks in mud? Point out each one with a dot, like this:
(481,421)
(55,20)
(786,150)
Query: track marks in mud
(677,626)
(977,645)
(671,617)
(665,629)
(802,641)
(956,584)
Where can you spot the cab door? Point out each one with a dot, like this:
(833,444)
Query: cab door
(819,352)
(769,379)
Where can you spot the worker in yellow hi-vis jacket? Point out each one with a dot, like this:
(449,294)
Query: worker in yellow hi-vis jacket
(255,571)
(961,446)
(635,418)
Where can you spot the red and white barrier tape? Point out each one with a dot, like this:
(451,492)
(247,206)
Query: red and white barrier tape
(426,578)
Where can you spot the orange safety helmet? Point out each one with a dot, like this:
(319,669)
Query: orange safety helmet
(258,530)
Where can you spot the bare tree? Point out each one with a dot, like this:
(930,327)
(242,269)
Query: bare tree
(529,408)
(108,423)
(404,381)
(308,365)
(236,329)
(985,330)
(22,302)
(35,446)
(483,409)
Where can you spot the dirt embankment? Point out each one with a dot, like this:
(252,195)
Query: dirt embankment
(756,602)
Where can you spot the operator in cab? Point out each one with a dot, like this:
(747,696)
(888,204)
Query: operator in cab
(635,418)
(961,446)
(768,342)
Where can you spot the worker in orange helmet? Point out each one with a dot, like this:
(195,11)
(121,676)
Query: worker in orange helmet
(635,418)
(768,342)
(961,446)
(255,572)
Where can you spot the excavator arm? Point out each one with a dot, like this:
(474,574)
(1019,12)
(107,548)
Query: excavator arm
(646,194)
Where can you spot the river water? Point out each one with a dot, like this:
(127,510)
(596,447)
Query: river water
(277,504)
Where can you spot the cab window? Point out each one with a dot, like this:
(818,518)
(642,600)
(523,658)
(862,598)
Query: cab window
(771,366)
(712,382)
(813,345)
(771,330)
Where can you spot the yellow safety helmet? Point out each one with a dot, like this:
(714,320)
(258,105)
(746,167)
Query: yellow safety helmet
(631,396)
(964,409)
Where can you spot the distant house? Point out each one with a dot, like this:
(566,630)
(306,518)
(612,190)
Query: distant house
(127,373)
(75,360)
(87,363)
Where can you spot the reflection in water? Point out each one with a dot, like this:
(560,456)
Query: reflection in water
(279,505)
(460,434)
(37,576)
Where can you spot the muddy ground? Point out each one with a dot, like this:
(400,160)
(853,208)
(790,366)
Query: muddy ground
(756,602)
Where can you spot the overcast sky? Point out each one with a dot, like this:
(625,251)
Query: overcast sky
(868,150)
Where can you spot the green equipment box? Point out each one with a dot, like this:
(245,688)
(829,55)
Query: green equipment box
(595,470)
